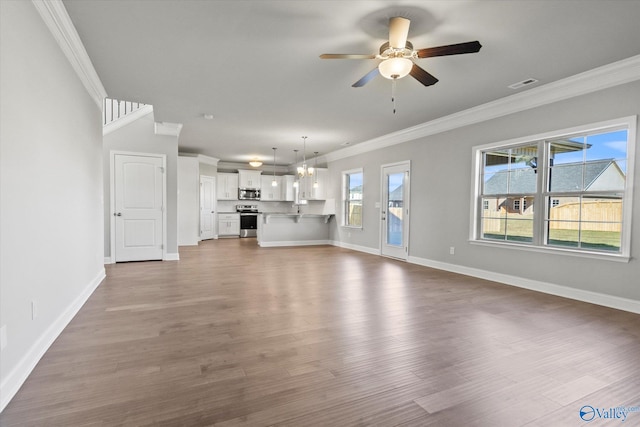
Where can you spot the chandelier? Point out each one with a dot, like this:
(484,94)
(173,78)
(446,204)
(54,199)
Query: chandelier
(304,170)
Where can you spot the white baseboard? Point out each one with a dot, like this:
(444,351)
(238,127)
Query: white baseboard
(107,260)
(611,301)
(372,251)
(172,257)
(18,375)
(294,243)
(605,300)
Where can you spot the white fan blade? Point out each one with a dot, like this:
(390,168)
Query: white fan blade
(398,32)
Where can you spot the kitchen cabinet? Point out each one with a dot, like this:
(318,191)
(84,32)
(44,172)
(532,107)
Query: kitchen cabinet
(288,193)
(229,225)
(249,179)
(269,193)
(283,192)
(227,186)
(309,191)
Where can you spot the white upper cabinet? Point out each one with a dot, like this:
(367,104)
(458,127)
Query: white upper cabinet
(314,187)
(227,186)
(283,192)
(249,178)
(288,194)
(269,193)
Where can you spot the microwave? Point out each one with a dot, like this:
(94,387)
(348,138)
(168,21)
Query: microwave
(249,194)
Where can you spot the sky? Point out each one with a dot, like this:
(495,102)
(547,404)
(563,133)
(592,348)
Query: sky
(608,145)
(355,180)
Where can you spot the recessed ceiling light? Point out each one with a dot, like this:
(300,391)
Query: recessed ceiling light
(208,116)
(525,82)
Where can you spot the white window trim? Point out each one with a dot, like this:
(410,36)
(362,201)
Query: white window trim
(344,198)
(629,122)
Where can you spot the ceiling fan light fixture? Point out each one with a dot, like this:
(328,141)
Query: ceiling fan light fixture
(395,68)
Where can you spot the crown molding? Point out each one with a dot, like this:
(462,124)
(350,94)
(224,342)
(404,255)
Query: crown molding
(167,128)
(57,19)
(208,160)
(201,158)
(265,168)
(614,74)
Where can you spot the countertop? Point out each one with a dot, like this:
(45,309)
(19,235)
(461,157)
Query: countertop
(295,216)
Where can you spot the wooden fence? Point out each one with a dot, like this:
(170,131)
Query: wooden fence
(597,215)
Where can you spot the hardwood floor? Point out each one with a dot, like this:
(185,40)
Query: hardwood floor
(321,336)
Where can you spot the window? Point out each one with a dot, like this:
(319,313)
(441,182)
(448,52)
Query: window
(571,185)
(352,198)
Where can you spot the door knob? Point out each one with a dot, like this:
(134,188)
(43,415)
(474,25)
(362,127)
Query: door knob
(117,214)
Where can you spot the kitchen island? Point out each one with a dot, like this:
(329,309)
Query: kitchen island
(293,229)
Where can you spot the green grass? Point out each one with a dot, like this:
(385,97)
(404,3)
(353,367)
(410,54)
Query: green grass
(520,231)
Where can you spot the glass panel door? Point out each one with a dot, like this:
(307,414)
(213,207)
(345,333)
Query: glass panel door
(395,210)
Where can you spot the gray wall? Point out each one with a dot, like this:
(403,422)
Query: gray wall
(139,136)
(51,185)
(441,192)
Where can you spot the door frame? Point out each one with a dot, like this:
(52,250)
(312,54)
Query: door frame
(407,194)
(112,200)
(215,206)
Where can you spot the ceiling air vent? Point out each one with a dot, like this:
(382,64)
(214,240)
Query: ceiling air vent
(523,83)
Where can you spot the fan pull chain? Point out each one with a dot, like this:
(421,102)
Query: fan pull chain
(393,94)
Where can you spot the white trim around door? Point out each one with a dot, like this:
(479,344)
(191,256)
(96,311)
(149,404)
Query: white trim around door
(112,201)
(395,211)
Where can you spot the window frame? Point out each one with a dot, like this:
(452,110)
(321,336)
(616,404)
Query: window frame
(542,193)
(346,201)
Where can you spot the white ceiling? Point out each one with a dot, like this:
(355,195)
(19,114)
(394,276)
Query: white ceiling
(254,65)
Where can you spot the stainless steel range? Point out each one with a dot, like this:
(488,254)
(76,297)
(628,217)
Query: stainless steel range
(248,220)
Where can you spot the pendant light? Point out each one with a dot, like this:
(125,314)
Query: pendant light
(295,183)
(315,182)
(274,183)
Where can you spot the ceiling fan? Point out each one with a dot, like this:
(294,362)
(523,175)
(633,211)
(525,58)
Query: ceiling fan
(398,55)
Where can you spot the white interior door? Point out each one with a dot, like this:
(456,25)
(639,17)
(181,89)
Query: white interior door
(395,210)
(207,207)
(139,206)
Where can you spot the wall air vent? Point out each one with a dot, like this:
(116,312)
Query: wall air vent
(523,83)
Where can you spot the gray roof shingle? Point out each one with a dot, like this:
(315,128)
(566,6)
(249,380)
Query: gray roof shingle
(564,178)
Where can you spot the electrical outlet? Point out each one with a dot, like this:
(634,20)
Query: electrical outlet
(452,250)
(34,310)
(349,234)
(3,337)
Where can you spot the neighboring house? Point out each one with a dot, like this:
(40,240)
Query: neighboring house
(568,177)
(396,197)
(355,193)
